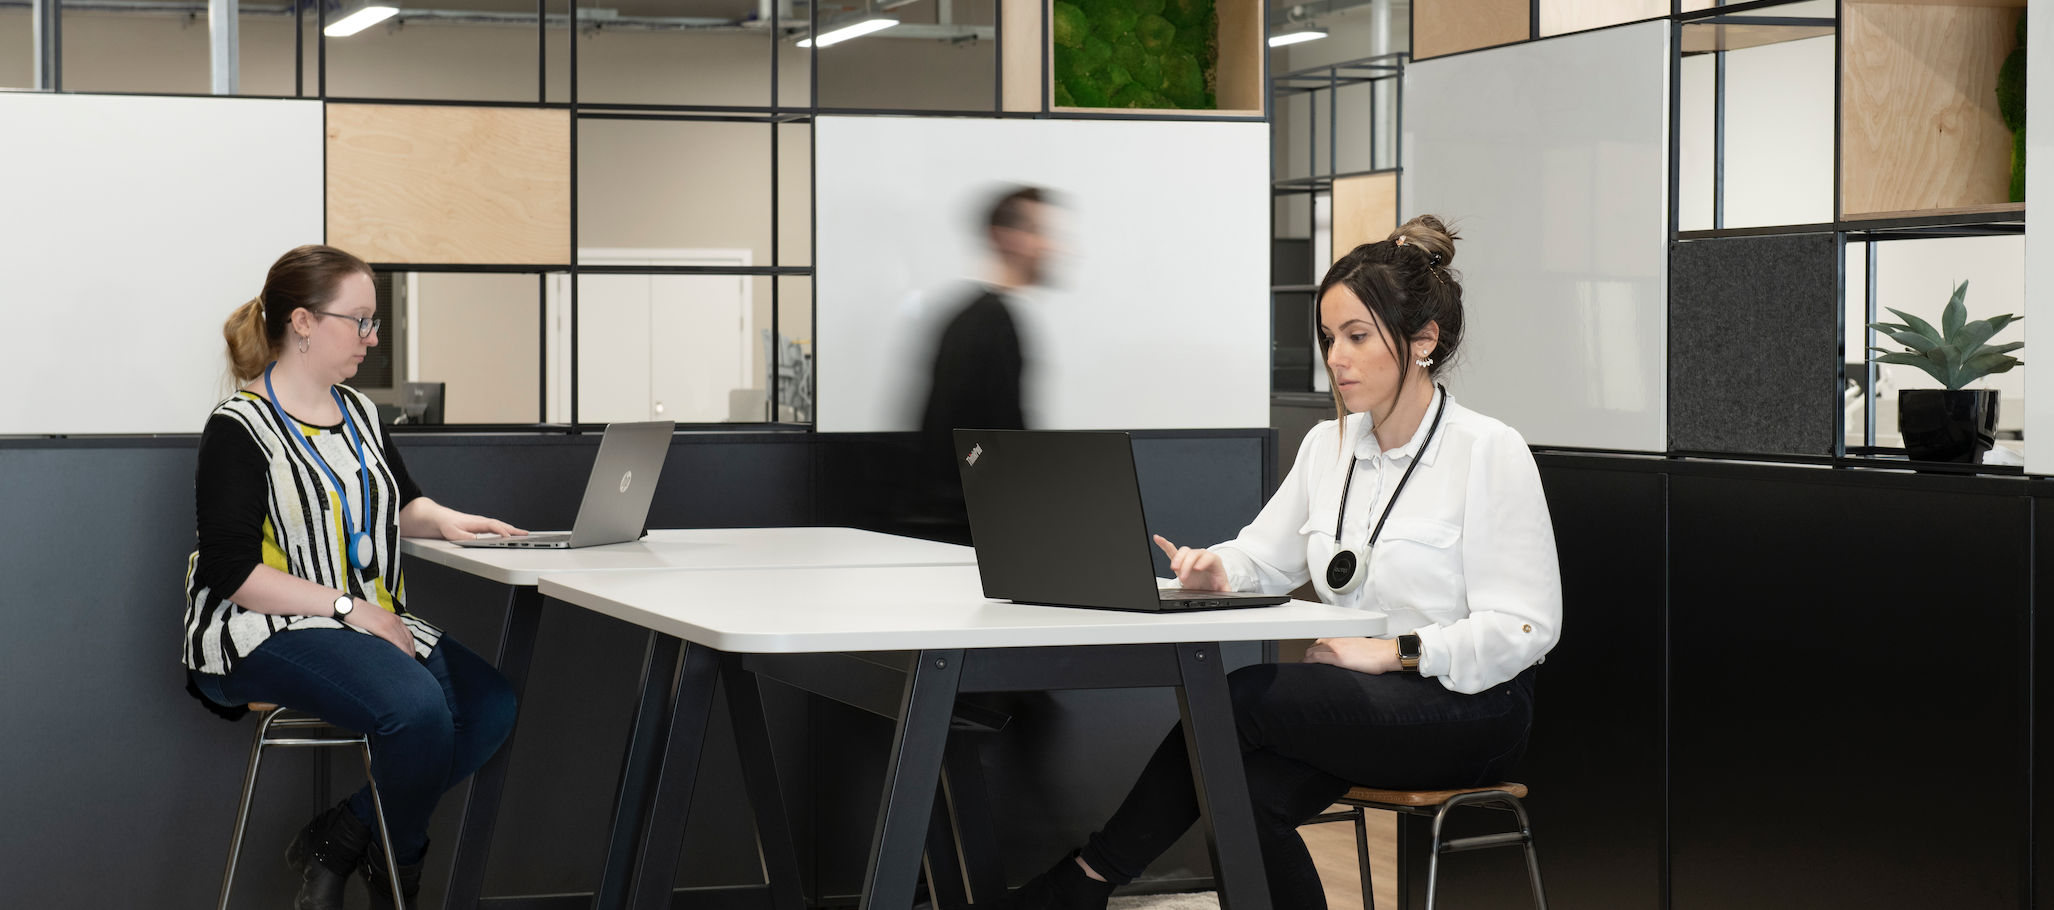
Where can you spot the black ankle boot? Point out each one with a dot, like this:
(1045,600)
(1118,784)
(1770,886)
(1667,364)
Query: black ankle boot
(1063,887)
(379,882)
(324,854)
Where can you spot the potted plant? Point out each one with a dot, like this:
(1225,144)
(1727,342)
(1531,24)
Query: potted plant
(1951,424)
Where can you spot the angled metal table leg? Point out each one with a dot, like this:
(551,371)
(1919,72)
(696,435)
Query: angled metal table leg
(638,770)
(481,803)
(759,775)
(910,783)
(1223,806)
(676,772)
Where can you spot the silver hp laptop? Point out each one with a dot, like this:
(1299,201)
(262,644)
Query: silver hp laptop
(616,495)
(1057,520)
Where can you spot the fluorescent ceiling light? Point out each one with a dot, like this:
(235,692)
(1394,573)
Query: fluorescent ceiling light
(1311,34)
(852,30)
(360,20)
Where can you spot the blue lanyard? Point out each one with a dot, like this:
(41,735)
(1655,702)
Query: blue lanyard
(359,542)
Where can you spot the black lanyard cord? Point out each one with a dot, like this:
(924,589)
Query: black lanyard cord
(1417,457)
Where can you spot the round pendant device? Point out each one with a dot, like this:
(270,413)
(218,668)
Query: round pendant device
(360,550)
(1346,570)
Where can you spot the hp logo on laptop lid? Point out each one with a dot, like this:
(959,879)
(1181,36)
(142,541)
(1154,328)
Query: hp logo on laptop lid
(626,479)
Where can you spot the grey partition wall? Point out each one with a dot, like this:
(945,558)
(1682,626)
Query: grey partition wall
(1754,345)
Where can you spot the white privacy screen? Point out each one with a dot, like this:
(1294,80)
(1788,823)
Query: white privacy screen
(1159,314)
(1551,159)
(133,227)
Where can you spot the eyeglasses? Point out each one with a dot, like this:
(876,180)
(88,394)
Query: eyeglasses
(365,325)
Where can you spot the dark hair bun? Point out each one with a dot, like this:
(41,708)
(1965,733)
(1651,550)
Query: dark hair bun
(1431,236)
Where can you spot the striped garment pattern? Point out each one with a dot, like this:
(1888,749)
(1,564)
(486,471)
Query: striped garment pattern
(303,534)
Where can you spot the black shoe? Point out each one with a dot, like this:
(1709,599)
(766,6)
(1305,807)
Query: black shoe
(1063,887)
(379,882)
(324,854)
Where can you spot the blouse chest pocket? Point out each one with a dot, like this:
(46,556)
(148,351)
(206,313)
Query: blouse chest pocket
(1417,564)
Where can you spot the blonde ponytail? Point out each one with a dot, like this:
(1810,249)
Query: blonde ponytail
(248,348)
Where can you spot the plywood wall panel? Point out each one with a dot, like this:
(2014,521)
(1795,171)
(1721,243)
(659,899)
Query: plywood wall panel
(1920,127)
(1560,17)
(1242,47)
(470,185)
(1447,26)
(1020,54)
(1365,210)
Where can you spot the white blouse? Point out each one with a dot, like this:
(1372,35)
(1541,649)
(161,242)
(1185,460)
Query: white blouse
(1466,562)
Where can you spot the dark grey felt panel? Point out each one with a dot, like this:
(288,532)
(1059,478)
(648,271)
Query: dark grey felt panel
(1754,345)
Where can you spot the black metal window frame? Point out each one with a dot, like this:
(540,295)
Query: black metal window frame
(1311,82)
(772,115)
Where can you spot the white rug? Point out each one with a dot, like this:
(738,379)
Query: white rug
(1191,900)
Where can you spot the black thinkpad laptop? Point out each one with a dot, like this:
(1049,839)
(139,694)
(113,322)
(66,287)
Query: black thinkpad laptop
(1056,517)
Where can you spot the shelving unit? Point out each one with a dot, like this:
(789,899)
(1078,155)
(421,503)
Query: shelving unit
(1920,131)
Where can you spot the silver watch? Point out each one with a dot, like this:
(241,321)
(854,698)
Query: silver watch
(344,604)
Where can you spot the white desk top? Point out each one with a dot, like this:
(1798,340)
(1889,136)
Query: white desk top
(708,548)
(782,611)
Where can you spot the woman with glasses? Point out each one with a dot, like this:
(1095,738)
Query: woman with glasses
(295,595)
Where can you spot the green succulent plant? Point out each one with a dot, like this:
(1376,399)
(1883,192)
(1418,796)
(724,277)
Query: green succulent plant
(1956,353)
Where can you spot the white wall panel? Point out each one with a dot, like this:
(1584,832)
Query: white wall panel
(133,226)
(1160,313)
(1551,159)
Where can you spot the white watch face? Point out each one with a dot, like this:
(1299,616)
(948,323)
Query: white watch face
(343,605)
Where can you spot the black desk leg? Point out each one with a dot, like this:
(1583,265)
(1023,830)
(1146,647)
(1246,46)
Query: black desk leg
(481,804)
(759,774)
(902,819)
(677,772)
(1223,806)
(970,803)
(638,771)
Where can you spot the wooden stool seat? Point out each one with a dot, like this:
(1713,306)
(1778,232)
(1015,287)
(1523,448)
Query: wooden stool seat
(1424,797)
(258,707)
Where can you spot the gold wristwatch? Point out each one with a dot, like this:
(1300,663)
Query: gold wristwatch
(1408,652)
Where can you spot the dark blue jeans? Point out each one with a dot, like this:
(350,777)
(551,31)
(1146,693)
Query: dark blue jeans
(1308,733)
(432,722)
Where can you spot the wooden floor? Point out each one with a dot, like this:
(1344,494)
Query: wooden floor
(1333,851)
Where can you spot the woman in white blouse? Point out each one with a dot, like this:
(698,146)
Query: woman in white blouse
(1461,558)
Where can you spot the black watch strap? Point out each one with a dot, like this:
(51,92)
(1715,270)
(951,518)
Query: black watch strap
(1408,651)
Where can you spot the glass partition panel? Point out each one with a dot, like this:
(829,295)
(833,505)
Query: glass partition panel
(940,56)
(795,194)
(149,46)
(690,187)
(684,52)
(666,347)
(479,336)
(17,47)
(794,349)
(461,50)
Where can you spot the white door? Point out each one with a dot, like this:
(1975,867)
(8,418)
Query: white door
(698,345)
(654,347)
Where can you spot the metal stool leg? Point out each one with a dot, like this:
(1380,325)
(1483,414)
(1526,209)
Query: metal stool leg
(1540,896)
(1522,837)
(242,812)
(399,900)
(1361,856)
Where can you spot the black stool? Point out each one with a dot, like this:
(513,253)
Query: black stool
(272,716)
(1436,803)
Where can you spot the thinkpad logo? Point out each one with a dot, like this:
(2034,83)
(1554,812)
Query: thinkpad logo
(975,451)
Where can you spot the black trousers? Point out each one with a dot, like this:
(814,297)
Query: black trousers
(1308,733)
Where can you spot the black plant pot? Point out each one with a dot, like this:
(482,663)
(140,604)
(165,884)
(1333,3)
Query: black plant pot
(1956,425)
